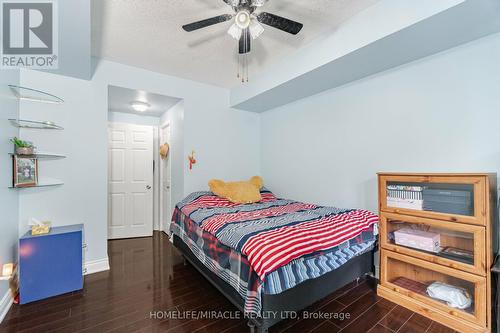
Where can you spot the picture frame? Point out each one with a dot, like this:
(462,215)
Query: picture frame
(25,171)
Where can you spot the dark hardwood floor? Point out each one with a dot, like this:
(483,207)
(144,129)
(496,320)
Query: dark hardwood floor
(147,274)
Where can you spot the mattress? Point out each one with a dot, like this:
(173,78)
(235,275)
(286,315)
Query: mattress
(218,232)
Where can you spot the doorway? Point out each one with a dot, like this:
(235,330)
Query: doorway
(141,192)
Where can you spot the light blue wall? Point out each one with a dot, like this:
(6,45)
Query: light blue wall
(74,34)
(439,114)
(83,197)
(8,197)
(226,142)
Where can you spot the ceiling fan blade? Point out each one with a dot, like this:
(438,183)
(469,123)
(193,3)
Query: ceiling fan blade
(206,23)
(279,22)
(244,46)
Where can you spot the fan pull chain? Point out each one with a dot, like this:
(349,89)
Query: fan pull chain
(246,66)
(243,62)
(245,69)
(238,56)
(244,56)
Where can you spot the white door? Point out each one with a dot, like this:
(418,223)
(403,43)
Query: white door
(130,176)
(165,181)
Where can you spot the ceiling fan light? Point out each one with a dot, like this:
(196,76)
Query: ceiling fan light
(235,31)
(242,19)
(256,29)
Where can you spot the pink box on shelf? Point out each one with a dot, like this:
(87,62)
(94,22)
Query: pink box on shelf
(418,239)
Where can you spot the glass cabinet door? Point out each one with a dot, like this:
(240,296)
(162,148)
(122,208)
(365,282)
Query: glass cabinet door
(454,245)
(457,293)
(455,199)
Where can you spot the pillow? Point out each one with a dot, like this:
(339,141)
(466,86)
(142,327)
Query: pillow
(242,192)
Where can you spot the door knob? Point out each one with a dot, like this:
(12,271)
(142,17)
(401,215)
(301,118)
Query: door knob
(148,187)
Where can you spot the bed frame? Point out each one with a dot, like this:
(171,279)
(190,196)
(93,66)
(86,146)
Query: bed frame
(294,299)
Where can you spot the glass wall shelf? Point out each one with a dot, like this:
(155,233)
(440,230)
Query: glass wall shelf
(40,155)
(41,184)
(23,123)
(33,95)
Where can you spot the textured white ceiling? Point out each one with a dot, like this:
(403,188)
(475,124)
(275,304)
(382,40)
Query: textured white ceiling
(148,34)
(119,100)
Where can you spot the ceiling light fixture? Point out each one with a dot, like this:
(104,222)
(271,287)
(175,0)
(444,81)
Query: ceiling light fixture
(256,29)
(246,25)
(242,19)
(243,22)
(235,31)
(140,106)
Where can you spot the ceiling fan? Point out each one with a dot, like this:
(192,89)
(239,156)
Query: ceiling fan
(247,23)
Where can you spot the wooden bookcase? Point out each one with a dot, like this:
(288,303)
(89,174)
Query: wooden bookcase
(405,272)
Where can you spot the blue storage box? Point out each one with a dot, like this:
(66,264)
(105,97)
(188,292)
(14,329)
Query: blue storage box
(50,264)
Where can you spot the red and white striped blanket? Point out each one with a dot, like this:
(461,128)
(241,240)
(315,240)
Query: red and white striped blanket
(274,232)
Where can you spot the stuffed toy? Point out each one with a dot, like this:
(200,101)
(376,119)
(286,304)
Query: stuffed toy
(242,192)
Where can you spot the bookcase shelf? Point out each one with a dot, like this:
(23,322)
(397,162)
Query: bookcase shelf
(435,229)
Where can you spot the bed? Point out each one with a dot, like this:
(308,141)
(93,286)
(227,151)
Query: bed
(276,255)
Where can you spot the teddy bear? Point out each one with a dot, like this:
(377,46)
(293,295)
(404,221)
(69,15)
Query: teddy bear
(242,192)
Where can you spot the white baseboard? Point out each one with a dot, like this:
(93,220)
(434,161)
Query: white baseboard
(5,304)
(94,266)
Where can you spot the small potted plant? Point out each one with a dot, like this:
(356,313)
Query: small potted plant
(23,147)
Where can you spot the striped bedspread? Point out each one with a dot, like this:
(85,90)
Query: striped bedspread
(204,209)
(274,232)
